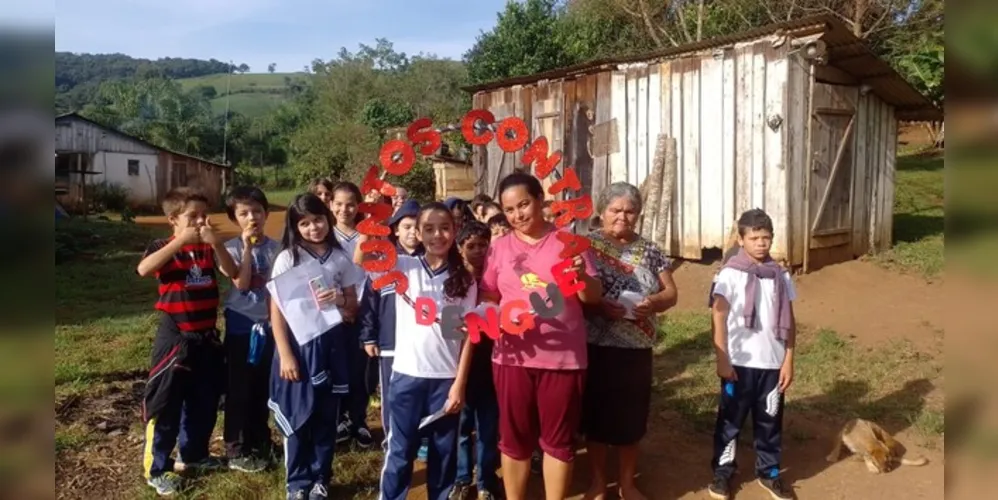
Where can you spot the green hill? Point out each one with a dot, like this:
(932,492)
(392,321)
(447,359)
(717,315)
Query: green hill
(252,94)
(249,82)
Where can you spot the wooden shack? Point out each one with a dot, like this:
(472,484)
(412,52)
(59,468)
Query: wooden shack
(452,176)
(88,153)
(797,118)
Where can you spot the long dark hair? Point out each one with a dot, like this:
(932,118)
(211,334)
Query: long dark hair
(459,280)
(350,187)
(302,205)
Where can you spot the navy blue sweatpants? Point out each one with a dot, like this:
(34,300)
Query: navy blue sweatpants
(412,399)
(757,391)
(385,371)
(354,405)
(308,453)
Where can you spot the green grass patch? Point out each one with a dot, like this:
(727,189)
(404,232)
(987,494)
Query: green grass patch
(832,377)
(72,438)
(919,217)
(251,105)
(240,82)
(282,197)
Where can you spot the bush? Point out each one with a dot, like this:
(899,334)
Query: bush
(105,196)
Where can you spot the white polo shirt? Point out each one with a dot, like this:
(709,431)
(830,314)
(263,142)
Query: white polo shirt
(422,351)
(752,348)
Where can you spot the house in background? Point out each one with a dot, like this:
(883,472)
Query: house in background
(88,153)
(797,118)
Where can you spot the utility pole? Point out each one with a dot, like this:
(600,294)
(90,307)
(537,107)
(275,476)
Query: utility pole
(225,126)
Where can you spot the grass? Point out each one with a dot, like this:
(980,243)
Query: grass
(918,215)
(104,325)
(282,197)
(249,104)
(252,94)
(832,378)
(240,82)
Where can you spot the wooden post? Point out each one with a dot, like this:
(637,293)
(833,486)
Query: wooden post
(808,152)
(670,160)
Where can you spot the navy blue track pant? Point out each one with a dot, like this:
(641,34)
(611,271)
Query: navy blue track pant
(756,392)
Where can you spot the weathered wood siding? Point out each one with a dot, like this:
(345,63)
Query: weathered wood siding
(79,136)
(739,115)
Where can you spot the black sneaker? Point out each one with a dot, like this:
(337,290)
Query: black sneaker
(460,491)
(719,488)
(342,432)
(363,438)
(776,488)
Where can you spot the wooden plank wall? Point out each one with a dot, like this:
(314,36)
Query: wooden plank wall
(798,81)
(716,105)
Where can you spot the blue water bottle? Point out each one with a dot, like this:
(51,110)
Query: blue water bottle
(257,342)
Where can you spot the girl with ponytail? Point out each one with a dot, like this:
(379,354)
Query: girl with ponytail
(430,367)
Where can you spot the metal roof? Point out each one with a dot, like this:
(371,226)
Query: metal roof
(845,50)
(137,139)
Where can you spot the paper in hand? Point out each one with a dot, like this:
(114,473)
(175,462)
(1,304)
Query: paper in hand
(630,300)
(294,296)
(429,419)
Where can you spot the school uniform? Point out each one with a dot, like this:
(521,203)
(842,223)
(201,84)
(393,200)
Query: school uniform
(305,411)
(181,395)
(757,354)
(481,416)
(425,367)
(249,349)
(360,365)
(377,327)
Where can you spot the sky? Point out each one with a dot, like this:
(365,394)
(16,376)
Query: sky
(290,33)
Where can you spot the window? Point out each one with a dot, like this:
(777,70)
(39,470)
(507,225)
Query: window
(133,167)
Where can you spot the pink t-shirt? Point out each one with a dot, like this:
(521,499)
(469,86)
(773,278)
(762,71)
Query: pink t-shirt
(515,269)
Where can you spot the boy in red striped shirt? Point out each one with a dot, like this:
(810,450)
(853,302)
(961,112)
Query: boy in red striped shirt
(183,388)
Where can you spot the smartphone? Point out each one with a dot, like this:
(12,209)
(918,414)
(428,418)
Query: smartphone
(317,285)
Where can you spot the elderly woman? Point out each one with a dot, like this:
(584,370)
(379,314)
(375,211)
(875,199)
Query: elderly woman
(637,284)
(539,372)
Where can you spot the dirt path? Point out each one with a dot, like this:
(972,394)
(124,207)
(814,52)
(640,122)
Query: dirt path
(857,299)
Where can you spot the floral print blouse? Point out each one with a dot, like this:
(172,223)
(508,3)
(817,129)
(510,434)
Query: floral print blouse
(634,267)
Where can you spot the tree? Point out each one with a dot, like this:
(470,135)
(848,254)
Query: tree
(205,91)
(271,67)
(521,43)
(243,68)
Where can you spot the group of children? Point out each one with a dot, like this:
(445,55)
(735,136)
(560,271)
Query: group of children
(319,390)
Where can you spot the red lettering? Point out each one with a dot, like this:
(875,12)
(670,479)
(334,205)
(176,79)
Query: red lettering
(426,311)
(468,126)
(523,322)
(428,141)
(489,324)
(384,248)
(519,139)
(537,154)
(400,280)
(574,244)
(569,181)
(373,182)
(577,208)
(403,164)
(566,278)
(372,226)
